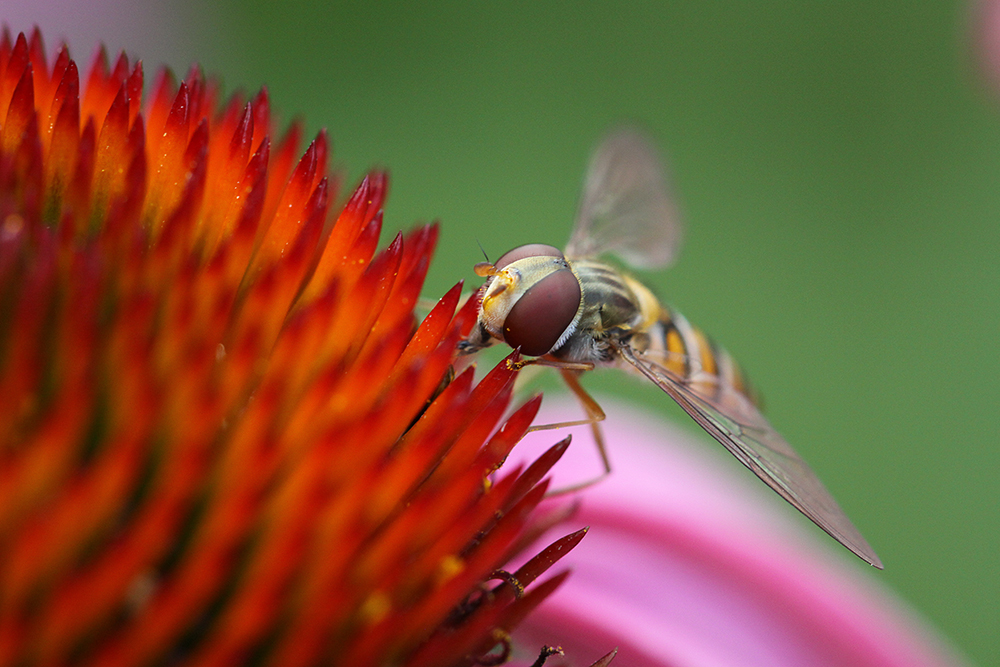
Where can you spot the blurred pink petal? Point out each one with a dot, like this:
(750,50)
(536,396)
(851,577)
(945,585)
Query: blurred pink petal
(691,561)
(986,35)
(168,31)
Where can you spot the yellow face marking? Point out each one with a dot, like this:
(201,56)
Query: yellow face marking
(496,290)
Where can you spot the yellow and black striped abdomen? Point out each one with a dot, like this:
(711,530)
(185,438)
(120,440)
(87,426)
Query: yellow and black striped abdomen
(689,353)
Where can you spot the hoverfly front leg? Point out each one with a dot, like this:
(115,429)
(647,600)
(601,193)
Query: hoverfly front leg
(570,372)
(595,415)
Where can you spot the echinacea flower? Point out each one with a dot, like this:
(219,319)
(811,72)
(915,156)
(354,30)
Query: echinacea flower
(690,563)
(224,438)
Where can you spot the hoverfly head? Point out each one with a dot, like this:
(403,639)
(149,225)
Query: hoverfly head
(532,298)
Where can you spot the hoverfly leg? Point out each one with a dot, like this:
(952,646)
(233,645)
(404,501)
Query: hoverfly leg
(595,414)
(551,363)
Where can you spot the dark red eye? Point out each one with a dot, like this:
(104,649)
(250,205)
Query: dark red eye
(543,313)
(530,250)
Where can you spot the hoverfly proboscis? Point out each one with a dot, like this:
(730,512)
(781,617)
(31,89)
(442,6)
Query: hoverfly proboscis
(570,310)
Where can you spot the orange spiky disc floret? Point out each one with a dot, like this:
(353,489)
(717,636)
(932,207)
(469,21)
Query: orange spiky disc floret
(219,443)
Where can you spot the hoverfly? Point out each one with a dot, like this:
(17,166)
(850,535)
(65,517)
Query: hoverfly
(570,310)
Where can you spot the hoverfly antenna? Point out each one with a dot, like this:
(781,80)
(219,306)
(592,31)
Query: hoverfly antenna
(483,250)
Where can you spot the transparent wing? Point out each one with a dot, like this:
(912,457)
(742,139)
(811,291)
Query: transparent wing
(625,209)
(735,422)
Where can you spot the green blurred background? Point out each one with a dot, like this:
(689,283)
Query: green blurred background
(837,165)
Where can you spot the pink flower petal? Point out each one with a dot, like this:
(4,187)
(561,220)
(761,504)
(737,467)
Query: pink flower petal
(986,39)
(691,561)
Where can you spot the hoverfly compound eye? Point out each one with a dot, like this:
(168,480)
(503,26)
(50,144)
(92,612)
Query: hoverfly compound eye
(543,313)
(529,250)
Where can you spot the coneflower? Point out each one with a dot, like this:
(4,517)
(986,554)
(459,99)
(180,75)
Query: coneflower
(225,437)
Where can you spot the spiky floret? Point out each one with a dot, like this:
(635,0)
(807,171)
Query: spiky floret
(225,438)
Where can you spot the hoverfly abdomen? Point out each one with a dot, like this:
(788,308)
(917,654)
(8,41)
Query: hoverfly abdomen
(691,355)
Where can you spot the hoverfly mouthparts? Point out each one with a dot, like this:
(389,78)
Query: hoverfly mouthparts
(574,312)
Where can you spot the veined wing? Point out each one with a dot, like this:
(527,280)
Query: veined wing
(735,422)
(625,209)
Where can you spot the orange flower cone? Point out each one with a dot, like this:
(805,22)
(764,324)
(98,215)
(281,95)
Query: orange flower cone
(225,439)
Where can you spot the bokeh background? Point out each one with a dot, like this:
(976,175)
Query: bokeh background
(838,166)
